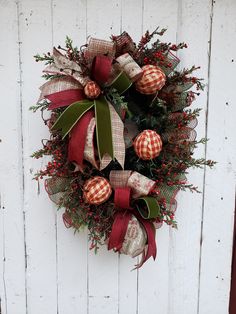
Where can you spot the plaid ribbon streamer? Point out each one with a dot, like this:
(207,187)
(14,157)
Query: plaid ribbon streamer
(118,140)
(148,145)
(97,190)
(153,80)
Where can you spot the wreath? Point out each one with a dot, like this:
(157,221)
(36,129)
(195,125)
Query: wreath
(122,137)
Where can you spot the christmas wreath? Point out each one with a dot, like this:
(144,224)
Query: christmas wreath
(121,137)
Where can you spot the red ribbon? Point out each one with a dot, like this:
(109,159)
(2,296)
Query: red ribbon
(101,69)
(78,139)
(118,231)
(64,98)
(120,225)
(122,197)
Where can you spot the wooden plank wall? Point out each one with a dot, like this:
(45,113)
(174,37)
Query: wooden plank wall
(44,268)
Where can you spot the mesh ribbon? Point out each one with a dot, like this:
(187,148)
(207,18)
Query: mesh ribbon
(124,43)
(171,62)
(98,47)
(55,187)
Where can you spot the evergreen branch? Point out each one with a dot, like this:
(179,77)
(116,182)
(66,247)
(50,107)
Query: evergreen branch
(39,106)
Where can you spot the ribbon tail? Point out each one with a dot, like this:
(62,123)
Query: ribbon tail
(118,231)
(89,150)
(151,208)
(78,139)
(117,133)
(71,115)
(103,128)
(151,249)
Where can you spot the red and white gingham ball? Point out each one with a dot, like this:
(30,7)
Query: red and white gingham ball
(152,81)
(92,90)
(148,145)
(97,190)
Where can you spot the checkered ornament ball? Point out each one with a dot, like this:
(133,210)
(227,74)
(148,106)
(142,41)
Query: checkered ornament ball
(148,145)
(97,190)
(152,81)
(92,90)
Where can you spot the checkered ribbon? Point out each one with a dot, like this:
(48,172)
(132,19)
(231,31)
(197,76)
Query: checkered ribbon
(148,144)
(97,190)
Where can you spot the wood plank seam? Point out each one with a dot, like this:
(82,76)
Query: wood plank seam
(22,144)
(4,262)
(205,152)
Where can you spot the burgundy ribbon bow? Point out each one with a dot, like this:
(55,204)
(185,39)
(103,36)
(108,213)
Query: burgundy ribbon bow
(101,69)
(120,224)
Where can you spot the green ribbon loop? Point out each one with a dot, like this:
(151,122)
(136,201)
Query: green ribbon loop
(103,127)
(71,116)
(121,83)
(148,207)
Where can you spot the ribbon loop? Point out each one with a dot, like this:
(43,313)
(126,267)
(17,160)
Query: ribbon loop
(148,207)
(64,98)
(101,68)
(122,198)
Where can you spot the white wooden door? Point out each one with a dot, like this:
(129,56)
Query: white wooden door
(45,268)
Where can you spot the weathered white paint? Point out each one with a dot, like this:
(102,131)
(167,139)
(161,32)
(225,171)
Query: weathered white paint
(44,267)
